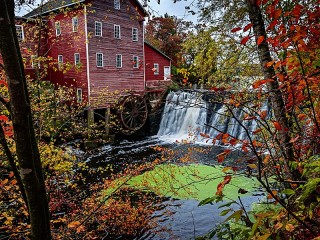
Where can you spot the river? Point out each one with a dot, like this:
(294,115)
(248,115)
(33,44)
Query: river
(180,130)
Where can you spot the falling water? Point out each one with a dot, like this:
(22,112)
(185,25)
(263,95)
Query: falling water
(190,118)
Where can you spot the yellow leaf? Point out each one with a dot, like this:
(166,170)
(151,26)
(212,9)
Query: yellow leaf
(226,169)
(252,166)
(74,224)
(264,237)
(278,226)
(289,227)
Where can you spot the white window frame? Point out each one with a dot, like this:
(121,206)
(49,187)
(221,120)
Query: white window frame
(135,34)
(77,59)
(98,26)
(20,32)
(135,61)
(33,62)
(58,28)
(75,24)
(117,4)
(98,61)
(60,61)
(117,31)
(79,95)
(156,67)
(119,61)
(164,72)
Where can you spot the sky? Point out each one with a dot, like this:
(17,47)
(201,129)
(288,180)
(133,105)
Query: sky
(166,6)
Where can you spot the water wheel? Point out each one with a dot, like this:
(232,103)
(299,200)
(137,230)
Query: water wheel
(133,112)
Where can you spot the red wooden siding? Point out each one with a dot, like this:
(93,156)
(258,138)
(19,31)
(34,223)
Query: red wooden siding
(67,44)
(109,78)
(153,56)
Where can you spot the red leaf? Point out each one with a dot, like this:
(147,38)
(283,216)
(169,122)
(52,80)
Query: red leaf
(264,1)
(3,83)
(277,125)
(260,40)
(236,29)
(221,157)
(244,148)
(221,185)
(297,10)
(245,40)
(4,118)
(257,131)
(272,24)
(277,13)
(246,28)
(233,141)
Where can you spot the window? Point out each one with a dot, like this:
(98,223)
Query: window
(117,33)
(20,34)
(34,61)
(134,34)
(119,61)
(98,28)
(167,72)
(117,4)
(58,29)
(60,61)
(75,24)
(77,59)
(135,61)
(99,59)
(79,95)
(155,69)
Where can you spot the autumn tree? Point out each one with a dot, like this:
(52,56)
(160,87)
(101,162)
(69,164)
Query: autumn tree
(285,38)
(167,33)
(28,157)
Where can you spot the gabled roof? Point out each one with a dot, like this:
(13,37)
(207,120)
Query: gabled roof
(54,5)
(51,6)
(156,49)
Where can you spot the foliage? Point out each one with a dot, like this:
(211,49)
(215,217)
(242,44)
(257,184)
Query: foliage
(167,33)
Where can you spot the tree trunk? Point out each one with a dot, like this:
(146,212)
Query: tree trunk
(24,136)
(278,104)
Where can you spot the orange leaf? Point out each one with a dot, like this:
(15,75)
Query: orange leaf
(277,64)
(246,28)
(74,224)
(221,157)
(260,40)
(294,139)
(259,83)
(236,29)
(277,125)
(245,40)
(263,114)
(269,64)
(274,193)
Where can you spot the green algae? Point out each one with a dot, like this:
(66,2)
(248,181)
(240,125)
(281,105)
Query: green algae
(194,181)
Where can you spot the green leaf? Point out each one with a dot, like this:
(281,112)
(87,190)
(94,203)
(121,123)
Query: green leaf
(228,204)
(225,212)
(207,201)
(236,216)
(288,192)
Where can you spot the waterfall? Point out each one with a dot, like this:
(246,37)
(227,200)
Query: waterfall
(188,117)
